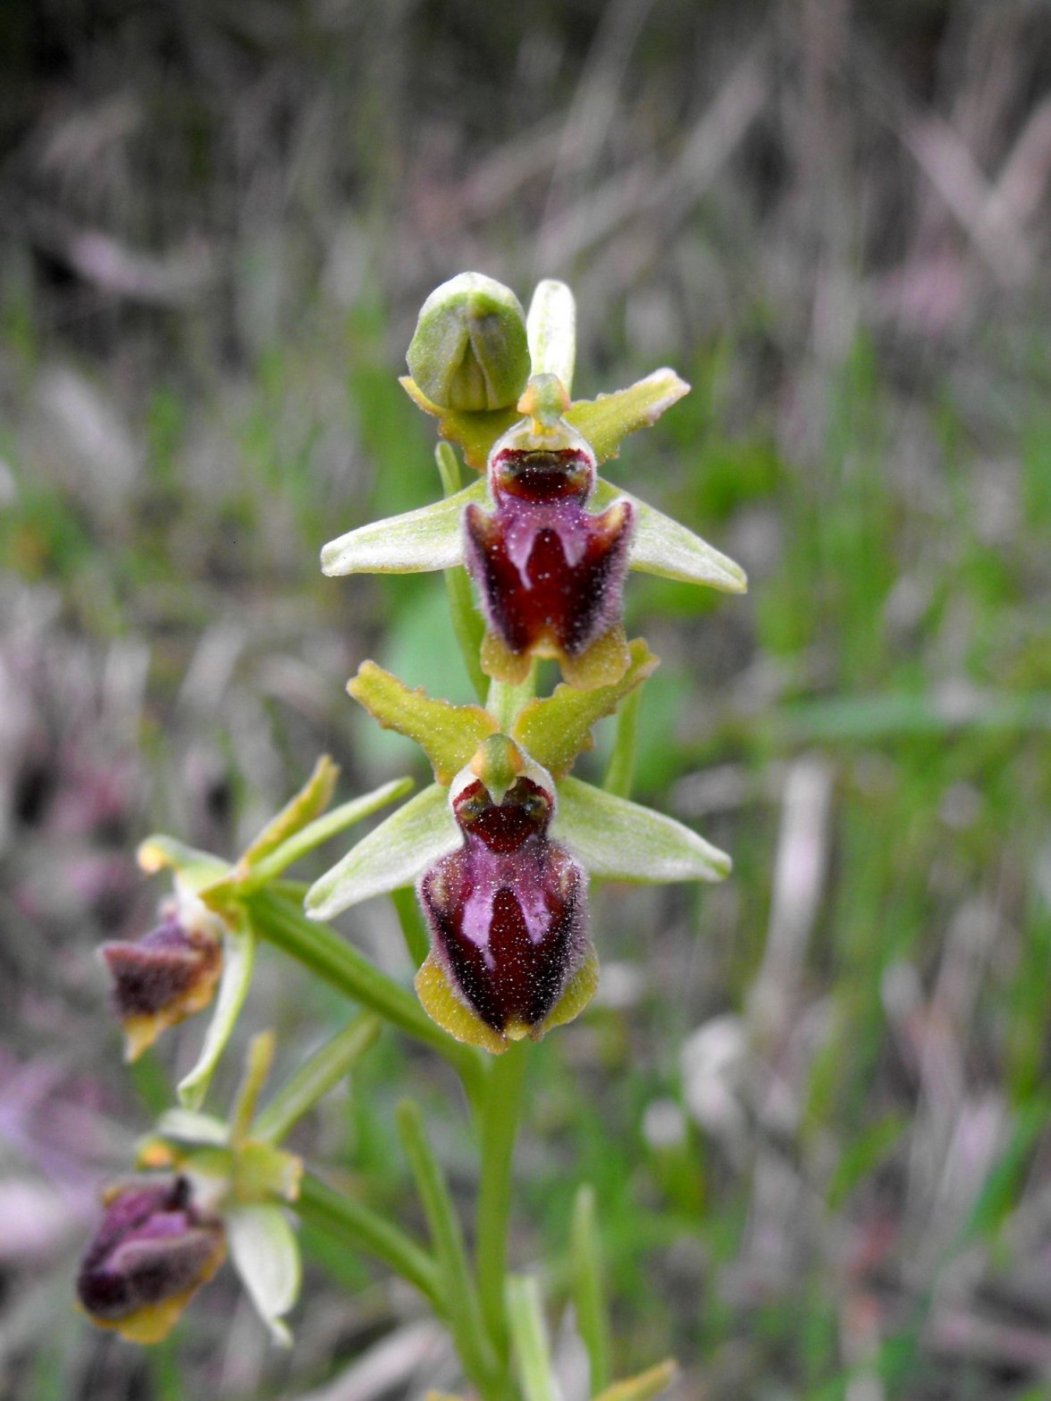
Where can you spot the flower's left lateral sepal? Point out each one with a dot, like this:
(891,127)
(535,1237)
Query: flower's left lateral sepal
(507,910)
(155,1247)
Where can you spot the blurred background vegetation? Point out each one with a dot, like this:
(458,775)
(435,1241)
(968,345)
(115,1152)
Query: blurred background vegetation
(814,1101)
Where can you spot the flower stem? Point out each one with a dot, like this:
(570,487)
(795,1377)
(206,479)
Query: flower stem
(621,772)
(498,1127)
(506,699)
(339,1215)
(458,1287)
(466,620)
(412,926)
(339,964)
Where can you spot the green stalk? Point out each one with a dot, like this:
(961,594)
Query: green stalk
(466,619)
(505,700)
(313,1080)
(413,929)
(458,1287)
(620,776)
(363,1229)
(498,1126)
(320,949)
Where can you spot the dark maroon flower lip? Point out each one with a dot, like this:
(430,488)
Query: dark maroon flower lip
(154,1248)
(508,910)
(550,575)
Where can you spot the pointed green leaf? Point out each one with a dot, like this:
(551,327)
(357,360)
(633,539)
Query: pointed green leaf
(552,330)
(529,1332)
(620,840)
(475,433)
(660,545)
(413,543)
(311,800)
(606,421)
(555,730)
(266,1256)
(396,853)
(448,734)
(238,960)
(646,1386)
(589,1294)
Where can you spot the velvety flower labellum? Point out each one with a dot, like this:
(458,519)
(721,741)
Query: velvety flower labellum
(154,1249)
(550,574)
(164,977)
(507,911)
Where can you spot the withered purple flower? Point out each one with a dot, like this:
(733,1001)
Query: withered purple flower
(154,1249)
(550,574)
(167,975)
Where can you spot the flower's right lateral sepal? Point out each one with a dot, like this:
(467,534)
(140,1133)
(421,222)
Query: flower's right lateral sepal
(154,1249)
(620,840)
(507,911)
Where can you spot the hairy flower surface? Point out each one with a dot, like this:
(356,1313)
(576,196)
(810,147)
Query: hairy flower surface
(507,911)
(549,573)
(152,1252)
(167,975)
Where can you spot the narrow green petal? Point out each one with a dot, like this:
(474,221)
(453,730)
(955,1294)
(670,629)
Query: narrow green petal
(394,854)
(265,1253)
(552,330)
(662,546)
(413,543)
(555,730)
(448,734)
(475,433)
(238,961)
(311,800)
(606,421)
(620,840)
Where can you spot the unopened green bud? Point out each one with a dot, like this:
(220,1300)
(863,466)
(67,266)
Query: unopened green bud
(470,350)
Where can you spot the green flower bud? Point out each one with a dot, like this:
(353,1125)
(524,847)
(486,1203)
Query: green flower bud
(470,350)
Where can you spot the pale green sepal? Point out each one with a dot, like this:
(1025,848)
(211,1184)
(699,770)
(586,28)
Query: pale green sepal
(620,840)
(606,421)
(396,853)
(646,1386)
(555,730)
(448,734)
(660,545)
(475,433)
(413,543)
(311,800)
(238,961)
(196,869)
(552,330)
(265,1254)
(187,1126)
